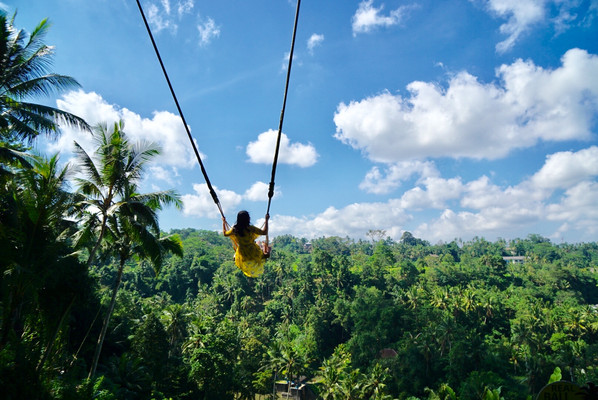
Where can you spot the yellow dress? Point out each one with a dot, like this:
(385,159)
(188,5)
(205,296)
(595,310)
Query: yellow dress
(248,255)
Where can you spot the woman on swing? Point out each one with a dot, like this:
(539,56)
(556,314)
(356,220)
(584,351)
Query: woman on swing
(249,257)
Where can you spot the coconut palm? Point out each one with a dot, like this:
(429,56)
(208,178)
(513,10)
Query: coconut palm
(117,163)
(175,318)
(115,215)
(333,371)
(134,230)
(24,73)
(285,359)
(34,230)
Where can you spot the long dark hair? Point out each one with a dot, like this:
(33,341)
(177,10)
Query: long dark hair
(242,223)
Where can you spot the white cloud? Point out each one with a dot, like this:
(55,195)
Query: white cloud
(367,17)
(184,7)
(488,209)
(578,207)
(394,216)
(437,192)
(259,192)
(474,208)
(166,5)
(520,15)
(208,30)
(385,182)
(481,194)
(201,204)
(314,41)
(476,120)
(161,17)
(354,220)
(262,150)
(160,173)
(284,65)
(164,128)
(523,15)
(466,224)
(565,169)
(160,20)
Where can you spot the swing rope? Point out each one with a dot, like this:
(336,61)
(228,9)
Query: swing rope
(284,101)
(284,104)
(176,101)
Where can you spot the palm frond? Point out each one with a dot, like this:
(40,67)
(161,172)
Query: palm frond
(157,200)
(88,165)
(14,157)
(24,72)
(38,34)
(57,115)
(45,85)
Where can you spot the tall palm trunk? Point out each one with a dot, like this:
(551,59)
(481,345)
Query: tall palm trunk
(93,251)
(95,248)
(98,350)
(50,345)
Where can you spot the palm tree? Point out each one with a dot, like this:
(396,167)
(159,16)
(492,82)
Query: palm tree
(134,230)
(24,64)
(286,359)
(333,371)
(175,317)
(33,235)
(373,386)
(103,185)
(115,214)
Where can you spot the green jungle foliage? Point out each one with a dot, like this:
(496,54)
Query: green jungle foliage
(97,303)
(360,320)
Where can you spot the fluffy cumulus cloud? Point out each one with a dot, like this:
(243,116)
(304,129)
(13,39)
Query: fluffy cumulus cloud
(577,208)
(464,208)
(566,169)
(201,204)
(576,173)
(435,193)
(471,119)
(259,192)
(466,224)
(486,208)
(354,220)
(262,150)
(563,193)
(522,15)
(467,209)
(382,182)
(163,128)
(367,17)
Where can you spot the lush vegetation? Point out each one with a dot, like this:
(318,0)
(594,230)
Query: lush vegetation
(97,303)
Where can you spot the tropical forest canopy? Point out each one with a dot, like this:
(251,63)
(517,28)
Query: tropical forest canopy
(97,302)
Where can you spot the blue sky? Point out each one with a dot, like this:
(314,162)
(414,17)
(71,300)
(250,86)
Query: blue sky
(449,119)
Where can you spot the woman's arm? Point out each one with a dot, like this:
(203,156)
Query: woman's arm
(263,231)
(224,225)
